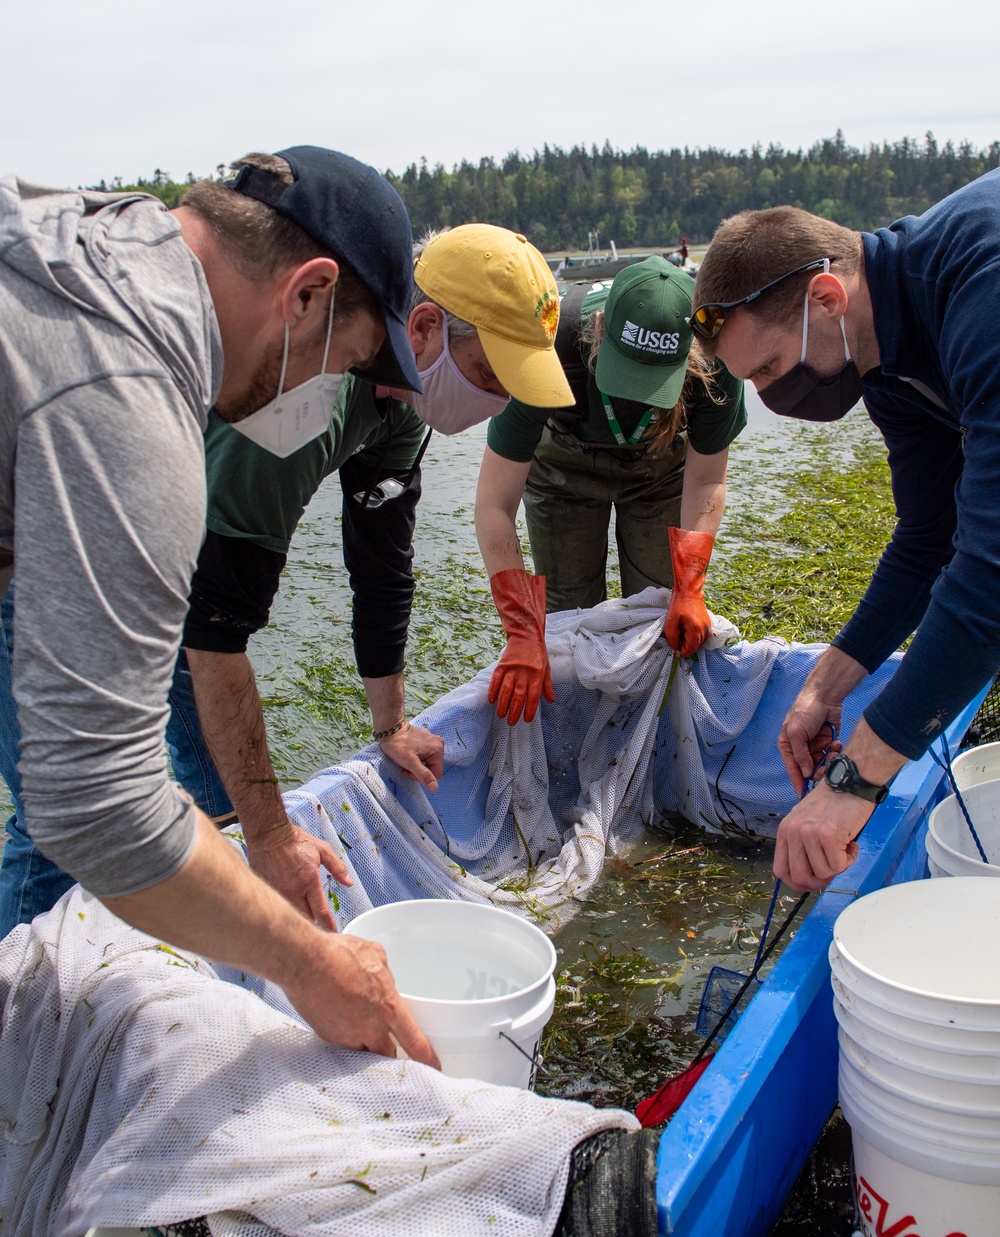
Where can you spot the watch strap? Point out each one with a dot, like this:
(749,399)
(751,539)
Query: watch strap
(853,783)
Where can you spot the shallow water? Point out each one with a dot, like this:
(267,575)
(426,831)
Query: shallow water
(633,962)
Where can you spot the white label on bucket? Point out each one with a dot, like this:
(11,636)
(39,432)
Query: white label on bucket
(479,983)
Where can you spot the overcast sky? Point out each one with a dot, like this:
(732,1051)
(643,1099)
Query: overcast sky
(93,89)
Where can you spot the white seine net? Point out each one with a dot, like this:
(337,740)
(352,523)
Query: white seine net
(525,815)
(136,1089)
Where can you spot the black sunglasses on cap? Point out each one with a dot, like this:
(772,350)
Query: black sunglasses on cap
(708,320)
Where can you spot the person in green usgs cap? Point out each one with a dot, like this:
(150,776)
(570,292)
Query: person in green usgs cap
(648,436)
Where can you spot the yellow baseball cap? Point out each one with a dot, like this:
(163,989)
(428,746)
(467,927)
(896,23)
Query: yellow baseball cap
(496,280)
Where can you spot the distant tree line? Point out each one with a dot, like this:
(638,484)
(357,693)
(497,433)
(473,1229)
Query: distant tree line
(639,198)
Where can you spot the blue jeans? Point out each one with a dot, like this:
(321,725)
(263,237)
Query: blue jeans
(30,884)
(189,756)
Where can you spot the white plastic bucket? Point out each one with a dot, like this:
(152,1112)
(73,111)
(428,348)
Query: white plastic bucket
(914,1005)
(933,867)
(975,765)
(951,848)
(888,1192)
(477,979)
(937,1133)
(913,1031)
(924,1089)
(938,1062)
(916,976)
(928,950)
(894,1106)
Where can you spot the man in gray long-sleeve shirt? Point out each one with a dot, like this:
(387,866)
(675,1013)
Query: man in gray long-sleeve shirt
(121,324)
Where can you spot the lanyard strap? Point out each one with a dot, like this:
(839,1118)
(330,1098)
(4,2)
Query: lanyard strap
(616,429)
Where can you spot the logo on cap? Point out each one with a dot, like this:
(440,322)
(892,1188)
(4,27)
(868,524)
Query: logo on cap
(547,309)
(657,342)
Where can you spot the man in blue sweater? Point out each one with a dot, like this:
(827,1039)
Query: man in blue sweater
(818,317)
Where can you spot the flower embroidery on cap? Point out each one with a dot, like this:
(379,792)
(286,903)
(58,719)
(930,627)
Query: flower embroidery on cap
(547,310)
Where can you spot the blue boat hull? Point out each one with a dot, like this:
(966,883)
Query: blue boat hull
(732,1153)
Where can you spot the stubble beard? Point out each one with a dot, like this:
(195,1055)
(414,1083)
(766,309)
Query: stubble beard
(260,389)
(262,385)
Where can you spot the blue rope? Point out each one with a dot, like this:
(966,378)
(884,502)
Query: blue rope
(946,765)
(767,923)
(777,884)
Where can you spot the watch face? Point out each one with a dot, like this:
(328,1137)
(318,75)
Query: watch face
(838,772)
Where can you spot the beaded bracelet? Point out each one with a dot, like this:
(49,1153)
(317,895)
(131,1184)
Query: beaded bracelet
(378,735)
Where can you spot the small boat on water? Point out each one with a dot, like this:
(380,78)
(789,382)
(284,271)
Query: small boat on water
(572,269)
(598,265)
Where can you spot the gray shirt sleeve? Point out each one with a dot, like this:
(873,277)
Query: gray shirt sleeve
(110,513)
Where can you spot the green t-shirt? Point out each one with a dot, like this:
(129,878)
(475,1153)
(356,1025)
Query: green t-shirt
(254,494)
(711,426)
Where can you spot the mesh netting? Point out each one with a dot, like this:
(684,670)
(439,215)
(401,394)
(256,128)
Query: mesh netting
(137,1089)
(526,815)
(985,727)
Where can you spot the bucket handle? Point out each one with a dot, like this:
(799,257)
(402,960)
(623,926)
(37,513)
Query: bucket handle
(535,1058)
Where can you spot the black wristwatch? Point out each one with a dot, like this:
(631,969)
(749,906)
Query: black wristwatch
(842,775)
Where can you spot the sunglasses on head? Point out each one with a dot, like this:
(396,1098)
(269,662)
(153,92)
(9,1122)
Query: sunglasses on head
(708,320)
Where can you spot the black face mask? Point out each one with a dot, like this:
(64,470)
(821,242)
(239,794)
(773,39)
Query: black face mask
(809,396)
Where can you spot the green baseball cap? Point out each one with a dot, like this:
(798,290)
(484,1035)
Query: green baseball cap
(646,341)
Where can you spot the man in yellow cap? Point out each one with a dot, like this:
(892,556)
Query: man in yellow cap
(481,326)
(510,306)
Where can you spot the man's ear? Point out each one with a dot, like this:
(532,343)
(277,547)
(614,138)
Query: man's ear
(827,291)
(304,295)
(424,326)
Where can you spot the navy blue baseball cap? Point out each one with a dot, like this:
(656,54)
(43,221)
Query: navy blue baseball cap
(350,209)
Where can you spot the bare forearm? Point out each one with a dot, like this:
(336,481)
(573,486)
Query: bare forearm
(232,722)
(834,677)
(702,507)
(876,760)
(498,495)
(217,907)
(498,541)
(386,700)
(703,498)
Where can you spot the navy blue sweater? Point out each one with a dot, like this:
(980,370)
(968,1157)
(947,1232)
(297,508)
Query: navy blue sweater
(935,290)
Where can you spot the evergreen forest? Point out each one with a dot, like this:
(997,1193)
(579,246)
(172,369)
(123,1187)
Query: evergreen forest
(651,198)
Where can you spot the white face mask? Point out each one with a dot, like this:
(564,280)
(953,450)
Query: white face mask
(298,416)
(450,403)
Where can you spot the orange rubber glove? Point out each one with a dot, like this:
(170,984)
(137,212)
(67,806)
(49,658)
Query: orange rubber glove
(523,676)
(688,624)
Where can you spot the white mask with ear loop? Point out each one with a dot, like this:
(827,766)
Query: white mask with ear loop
(450,402)
(295,417)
